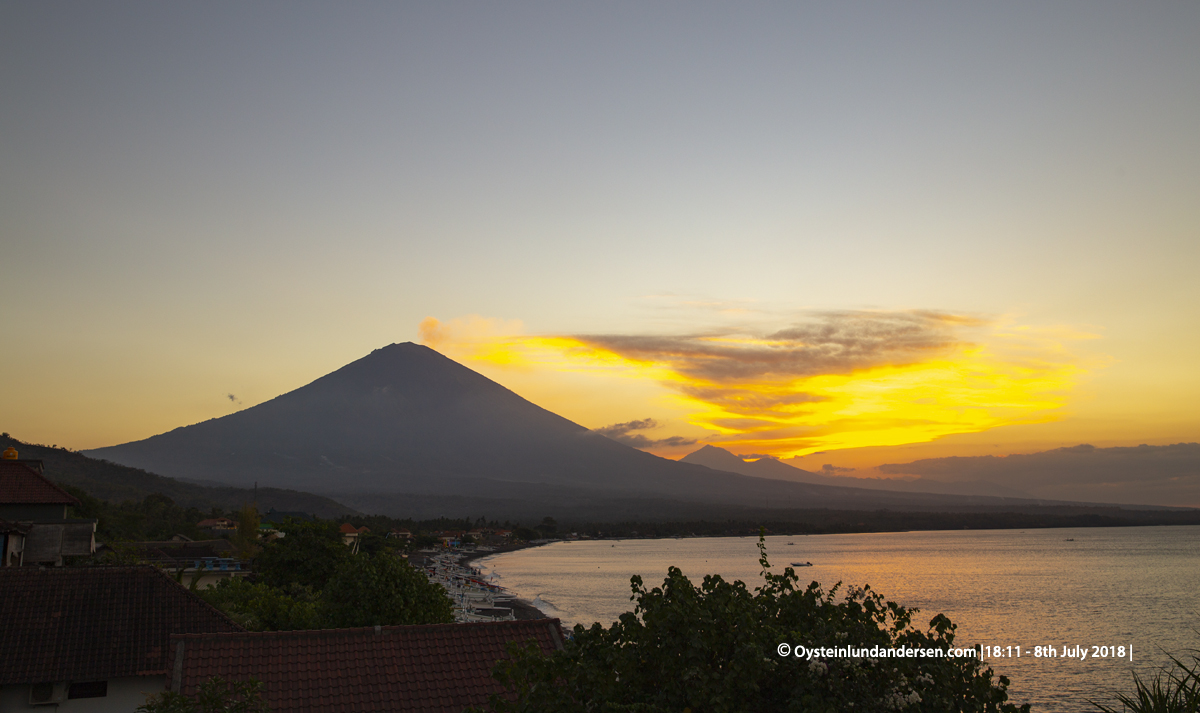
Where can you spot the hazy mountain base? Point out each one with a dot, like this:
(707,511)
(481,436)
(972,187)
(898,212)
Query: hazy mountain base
(118,483)
(589,513)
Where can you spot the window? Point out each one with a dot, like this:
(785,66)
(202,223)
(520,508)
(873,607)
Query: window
(91,689)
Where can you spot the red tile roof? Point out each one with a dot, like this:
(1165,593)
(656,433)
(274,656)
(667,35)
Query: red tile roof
(348,529)
(94,623)
(216,522)
(21,484)
(401,669)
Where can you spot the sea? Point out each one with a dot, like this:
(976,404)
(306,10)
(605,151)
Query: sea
(1071,590)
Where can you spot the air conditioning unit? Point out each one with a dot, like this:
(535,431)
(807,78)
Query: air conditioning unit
(41,694)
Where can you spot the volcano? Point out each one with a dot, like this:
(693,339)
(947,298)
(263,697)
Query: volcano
(407,422)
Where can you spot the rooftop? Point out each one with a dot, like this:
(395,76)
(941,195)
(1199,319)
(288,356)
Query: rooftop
(21,482)
(433,668)
(93,623)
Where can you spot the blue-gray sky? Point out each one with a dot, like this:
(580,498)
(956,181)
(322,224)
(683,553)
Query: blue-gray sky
(212,198)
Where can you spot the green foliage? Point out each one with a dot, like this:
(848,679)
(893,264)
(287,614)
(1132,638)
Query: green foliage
(1175,689)
(309,579)
(308,554)
(245,539)
(424,541)
(714,648)
(374,544)
(155,517)
(370,590)
(213,696)
(259,607)
(117,483)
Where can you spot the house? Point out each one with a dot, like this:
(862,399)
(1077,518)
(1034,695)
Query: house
(88,639)
(350,533)
(398,534)
(400,669)
(450,538)
(33,517)
(26,494)
(217,524)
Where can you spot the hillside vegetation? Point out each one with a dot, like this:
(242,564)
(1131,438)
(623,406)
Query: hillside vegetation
(118,483)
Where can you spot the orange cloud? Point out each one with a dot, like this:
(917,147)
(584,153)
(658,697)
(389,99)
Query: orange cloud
(829,381)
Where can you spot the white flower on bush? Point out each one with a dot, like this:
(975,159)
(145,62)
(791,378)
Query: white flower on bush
(818,667)
(897,699)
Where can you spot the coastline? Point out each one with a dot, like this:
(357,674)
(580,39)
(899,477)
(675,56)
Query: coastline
(522,610)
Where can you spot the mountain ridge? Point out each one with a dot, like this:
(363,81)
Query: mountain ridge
(768,467)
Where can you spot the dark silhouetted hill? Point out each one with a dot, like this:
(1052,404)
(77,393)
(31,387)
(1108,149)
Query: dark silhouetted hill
(1138,474)
(767,467)
(118,483)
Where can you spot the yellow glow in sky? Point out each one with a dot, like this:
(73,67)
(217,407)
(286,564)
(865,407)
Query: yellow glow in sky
(836,381)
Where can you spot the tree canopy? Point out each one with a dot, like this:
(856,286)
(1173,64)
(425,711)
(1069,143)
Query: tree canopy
(308,554)
(309,579)
(370,590)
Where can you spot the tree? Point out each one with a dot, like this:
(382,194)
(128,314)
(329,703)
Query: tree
(716,648)
(213,696)
(246,537)
(260,607)
(371,590)
(308,554)
(425,541)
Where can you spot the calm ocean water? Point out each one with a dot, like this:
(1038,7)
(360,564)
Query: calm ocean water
(1133,587)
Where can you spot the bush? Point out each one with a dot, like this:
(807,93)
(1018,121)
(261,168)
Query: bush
(1175,689)
(260,607)
(370,590)
(714,648)
(213,696)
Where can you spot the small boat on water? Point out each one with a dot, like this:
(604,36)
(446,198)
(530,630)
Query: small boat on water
(802,564)
(790,544)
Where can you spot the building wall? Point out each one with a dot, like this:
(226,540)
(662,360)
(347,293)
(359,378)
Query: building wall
(124,695)
(20,512)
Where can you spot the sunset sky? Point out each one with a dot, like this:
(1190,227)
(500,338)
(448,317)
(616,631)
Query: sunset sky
(856,234)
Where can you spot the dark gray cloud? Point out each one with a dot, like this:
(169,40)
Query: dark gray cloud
(831,469)
(1153,475)
(821,343)
(623,433)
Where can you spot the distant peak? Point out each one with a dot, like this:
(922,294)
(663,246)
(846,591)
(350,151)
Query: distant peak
(710,454)
(709,449)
